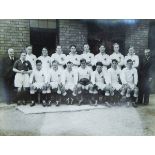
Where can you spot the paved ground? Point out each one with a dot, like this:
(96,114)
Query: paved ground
(147,116)
(112,121)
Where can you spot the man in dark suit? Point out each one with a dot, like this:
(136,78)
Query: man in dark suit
(9,75)
(145,77)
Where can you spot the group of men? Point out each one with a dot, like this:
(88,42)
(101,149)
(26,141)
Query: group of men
(73,78)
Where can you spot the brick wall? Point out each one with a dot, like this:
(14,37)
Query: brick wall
(72,32)
(15,34)
(137,36)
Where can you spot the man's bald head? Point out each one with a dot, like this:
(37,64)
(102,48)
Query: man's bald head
(11,52)
(147,52)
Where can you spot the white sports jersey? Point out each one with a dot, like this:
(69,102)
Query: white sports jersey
(129,76)
(89,57)
(134,58)
(54,76)
(119,57)
(61,58)
(32,59)
(46,63)
(75,59)
(102,77)
(69,77)
(37,76)
(84,73)
(104,58)
(114,75)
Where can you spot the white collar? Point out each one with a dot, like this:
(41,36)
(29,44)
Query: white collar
(45,56)
(69,70)
(116,53)
(21,60)
(58,53)
(11,57)
(29,54)
(72,53)
(86,52)
(103,53)
(114,68)
(130,54)
(99,73)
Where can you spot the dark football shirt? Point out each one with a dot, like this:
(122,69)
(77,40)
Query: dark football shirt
(26,65)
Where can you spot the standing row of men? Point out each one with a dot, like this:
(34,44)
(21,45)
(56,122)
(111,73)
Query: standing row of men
(78,77)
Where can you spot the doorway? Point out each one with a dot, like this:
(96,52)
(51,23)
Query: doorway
(43,37)
(107,34)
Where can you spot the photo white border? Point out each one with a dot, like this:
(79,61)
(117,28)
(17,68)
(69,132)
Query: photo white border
(80,9)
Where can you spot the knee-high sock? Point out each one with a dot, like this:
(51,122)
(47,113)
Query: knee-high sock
(80,96)
(115,96)
(100,93)
(128,99)
(94,97)
(43,96)
(107,98)
(25,94)
(69,93)
(33,97)
(118,96)
(134,99)
(58,97)
(48,96)
(19,96)
(87,95)
(52,95)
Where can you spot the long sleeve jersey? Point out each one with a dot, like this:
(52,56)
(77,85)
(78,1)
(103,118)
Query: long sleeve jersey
(37,76)
(89,57)
(61,58)
(46,62)
(102,77)
(114,75)
(69,77)
(129,76)
(75,59)
(32,59)
(134,58)
(84,73)
(104,58)
(54,76)
(119,57)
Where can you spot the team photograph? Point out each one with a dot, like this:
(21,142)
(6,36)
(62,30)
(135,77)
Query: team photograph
(100,70)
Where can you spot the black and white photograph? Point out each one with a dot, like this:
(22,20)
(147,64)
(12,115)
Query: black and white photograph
(77,77)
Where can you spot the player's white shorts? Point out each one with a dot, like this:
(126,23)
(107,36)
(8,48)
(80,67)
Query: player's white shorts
(54,85)
(131,86)
(69,86)
(116,86)
(87,87)
(36,86)
(21,80)
(101,86)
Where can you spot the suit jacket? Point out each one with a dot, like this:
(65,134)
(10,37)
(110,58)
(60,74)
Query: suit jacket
(7,68)
(145,67)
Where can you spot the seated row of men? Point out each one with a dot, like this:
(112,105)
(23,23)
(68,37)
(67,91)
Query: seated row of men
(75,84)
